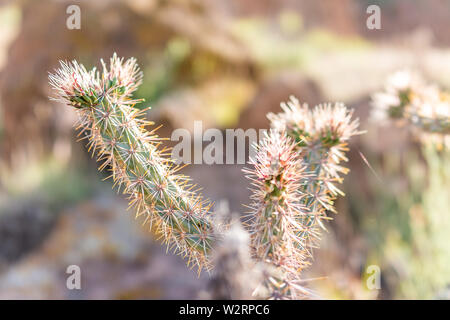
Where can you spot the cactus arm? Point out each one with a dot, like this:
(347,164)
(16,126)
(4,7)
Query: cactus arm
(115,131)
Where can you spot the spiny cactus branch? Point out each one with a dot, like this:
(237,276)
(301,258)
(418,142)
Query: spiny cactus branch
(321,134)
(115,131)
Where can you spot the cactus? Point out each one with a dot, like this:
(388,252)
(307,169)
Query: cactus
(294,172)
(321,135)
(293,177)
(407,99)
(234,276)
(425,111)
(276,176)
(396,96)
(115,130)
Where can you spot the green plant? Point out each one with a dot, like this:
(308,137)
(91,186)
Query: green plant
(294,175)
(276,176)
(234,276)
(115,130)
(425,110)
(407,99)
(322,135)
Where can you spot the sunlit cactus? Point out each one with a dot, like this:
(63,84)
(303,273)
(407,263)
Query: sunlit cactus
(407,99)
(276,235)
(396,96)
(425,111)
(294,174)
(235,275)
(275,177)
(276,284)
(115,131)
(321,135)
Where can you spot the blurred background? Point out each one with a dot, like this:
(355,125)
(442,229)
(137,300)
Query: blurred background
(226,63)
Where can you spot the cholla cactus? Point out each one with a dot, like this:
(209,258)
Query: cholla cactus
(425,109)
(430,110)
(115,129)
(407,99)
(294,174)
(321,135)
(279,285)
(276,176)
(235,275)
(295,171)
(398,92)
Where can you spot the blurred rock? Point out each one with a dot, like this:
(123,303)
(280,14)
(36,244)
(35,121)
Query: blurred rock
(117,258)
(23,228)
